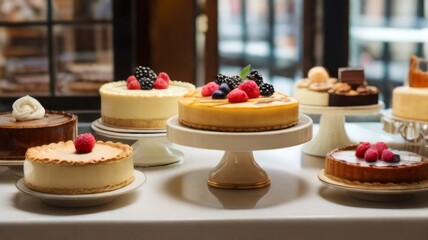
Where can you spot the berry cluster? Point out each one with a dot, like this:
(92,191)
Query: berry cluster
(146,79)
(235,89)
(84,143)
(373,152)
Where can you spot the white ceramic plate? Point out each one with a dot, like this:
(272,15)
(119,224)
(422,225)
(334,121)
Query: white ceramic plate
(99,123)
(378,192)
(83,200)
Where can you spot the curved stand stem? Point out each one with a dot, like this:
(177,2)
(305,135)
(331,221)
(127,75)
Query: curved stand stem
(238,170)
(155,151)
(331,134)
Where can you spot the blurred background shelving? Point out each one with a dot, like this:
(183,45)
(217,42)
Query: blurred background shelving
(61,51)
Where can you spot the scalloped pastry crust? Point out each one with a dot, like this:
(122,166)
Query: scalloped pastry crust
(57,168)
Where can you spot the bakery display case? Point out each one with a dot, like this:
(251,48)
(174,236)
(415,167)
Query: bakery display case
(264,33)
(55,47)
(382,36)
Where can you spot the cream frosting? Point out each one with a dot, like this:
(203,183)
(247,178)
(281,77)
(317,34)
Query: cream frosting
(27,108)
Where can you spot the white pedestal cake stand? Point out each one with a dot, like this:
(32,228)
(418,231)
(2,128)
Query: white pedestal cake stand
(237,168)
(332,133)
(151,148)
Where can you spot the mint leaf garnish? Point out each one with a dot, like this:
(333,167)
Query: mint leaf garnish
(245,71)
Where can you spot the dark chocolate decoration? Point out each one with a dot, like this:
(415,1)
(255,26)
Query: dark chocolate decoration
(352,76)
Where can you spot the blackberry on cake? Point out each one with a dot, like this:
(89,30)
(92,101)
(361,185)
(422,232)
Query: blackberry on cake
(232,81)
(266,89)
(145,83)
(145,72)
(256,77)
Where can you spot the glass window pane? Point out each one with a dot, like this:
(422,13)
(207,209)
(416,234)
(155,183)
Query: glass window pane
(23,61)
(84,58)
(22,11)
(68,10)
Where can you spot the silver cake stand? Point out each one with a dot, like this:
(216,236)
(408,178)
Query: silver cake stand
(238,169)
(151,148)
(413,132)
(332,132)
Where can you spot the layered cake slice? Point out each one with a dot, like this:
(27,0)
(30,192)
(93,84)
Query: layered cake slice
(350,89)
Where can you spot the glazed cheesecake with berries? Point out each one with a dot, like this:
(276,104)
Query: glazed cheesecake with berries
(232,104)
(351,89)
(80,167)
(367,163)
(406,100)
(144,101)
(29,125)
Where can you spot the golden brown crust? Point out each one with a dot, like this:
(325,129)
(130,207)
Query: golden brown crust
(374,174)
(32,154)
(76,191)
(134,123)
(378,185)
(234,129)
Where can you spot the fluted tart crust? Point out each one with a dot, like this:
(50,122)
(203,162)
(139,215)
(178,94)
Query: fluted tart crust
(341,164)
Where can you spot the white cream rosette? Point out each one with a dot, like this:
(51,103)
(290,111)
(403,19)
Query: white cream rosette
(27,108)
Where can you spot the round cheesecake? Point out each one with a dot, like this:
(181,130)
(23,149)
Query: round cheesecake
(57,168)
(407,102)
(257,114)
(341,164)
(17,136)
(140,109)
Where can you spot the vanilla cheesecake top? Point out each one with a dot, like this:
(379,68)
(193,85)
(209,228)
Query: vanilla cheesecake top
(64,153)
(176,88)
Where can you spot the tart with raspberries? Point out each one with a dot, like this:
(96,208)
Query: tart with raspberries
(241,103)
(373,164)
(144,101)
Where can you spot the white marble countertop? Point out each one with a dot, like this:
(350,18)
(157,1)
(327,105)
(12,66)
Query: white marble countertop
(176,203)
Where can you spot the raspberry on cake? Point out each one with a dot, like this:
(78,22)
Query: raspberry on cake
(84,143)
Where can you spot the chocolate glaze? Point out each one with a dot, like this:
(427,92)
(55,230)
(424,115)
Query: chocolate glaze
(17,137)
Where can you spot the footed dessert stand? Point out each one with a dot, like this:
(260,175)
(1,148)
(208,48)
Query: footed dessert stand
(332,132)
(151,148)
(237,168)
(413,132)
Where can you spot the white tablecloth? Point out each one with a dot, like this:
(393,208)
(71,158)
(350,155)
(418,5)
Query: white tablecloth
(176,203)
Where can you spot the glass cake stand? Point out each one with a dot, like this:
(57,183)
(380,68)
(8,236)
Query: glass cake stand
(237,169)
(332,132)
(413,132)
(151,147)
